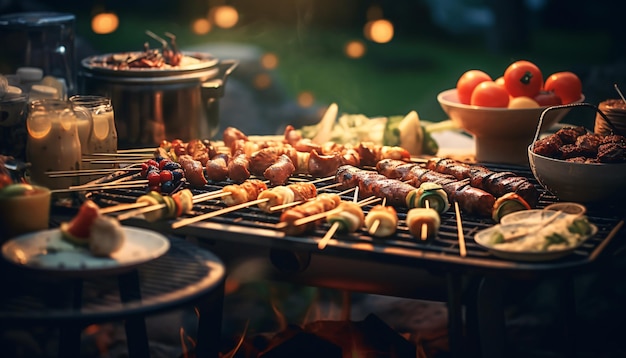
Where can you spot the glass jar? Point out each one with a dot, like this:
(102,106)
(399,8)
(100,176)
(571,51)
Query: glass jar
(615,111)
(53,143)
(97,131)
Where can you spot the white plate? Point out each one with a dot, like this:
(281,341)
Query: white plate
(47,251)
(483,237)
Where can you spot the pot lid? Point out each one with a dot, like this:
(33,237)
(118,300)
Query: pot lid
(193,63)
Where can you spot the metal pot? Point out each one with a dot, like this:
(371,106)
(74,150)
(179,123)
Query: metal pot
(156,104)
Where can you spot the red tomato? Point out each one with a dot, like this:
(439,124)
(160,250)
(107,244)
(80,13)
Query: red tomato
(566,85)
(467,82)
(489,94)
(80,226)
(545,98)
(523,78)
(500,81)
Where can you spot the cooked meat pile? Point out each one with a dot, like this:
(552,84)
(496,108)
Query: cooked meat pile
(575,144)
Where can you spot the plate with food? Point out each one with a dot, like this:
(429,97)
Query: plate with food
(89,244)
(540,239)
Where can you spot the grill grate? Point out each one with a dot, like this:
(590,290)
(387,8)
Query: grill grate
(251,225)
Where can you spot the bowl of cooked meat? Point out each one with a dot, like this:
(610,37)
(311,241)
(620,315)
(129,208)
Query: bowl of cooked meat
(501,134)
(580,166)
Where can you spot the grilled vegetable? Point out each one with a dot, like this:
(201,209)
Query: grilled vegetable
(349,215)
(508,203)
(420,219)
(430,193)
(381,221)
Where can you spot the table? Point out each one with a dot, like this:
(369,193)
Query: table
(184,276)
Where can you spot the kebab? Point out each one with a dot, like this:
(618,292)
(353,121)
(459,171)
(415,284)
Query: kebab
(347,217)
(322,203)
(471,200)
(381,220)
(496,183)
(281,195)
(157,206)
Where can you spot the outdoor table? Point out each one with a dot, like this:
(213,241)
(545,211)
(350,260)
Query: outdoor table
(184,276)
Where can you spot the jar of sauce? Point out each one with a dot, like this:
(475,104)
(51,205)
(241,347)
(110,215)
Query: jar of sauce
(615,111)
(53,143)
(97,131)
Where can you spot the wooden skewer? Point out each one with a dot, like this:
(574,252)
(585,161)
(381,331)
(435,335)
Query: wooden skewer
(294,203)
(194,219)
(97,185)
(134,155)
(335,226)
(68,190)
(376,223)
(136,150)
(128,206)
(68,173)
(424,225)
(459,227)
(125,161)
(122,207)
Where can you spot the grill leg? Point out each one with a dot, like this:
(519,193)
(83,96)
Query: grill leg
(210,310)
(491,320)
(455,315)
(69,337)
(137,338)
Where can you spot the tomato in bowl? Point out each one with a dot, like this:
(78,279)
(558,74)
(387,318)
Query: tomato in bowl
(501,135)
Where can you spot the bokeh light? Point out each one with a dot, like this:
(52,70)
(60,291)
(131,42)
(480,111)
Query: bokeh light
(355,49)
(104,23)
(262,81)
(380,31)
(201,26)
(306,99)
(225,16)
(269,61)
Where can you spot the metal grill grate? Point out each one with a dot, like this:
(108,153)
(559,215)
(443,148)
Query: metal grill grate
(253,226)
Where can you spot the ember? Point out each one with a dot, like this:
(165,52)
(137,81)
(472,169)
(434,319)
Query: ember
(370,337)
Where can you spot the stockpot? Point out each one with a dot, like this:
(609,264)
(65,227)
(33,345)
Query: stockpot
(156,104)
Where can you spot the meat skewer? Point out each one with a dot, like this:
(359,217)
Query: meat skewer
(321,204)
(472,200)
(496,183)
(371,183)
(347,217)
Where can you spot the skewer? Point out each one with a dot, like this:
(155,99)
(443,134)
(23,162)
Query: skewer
(147,155)
(294,203)
(194,219)
(376,223)
(128,206)
(136,150)
(335,226)
(113,183)
(72,173)
(459,227)
(69,190)
(125,161)
(424,231)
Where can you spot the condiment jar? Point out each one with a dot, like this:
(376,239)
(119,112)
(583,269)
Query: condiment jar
(97,132)
(53,143)
(615,111)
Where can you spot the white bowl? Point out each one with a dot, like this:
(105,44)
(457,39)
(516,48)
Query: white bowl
(579,182)
(501,135)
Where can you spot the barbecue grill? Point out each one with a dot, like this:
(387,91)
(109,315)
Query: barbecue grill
(399,266)
(252,226)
